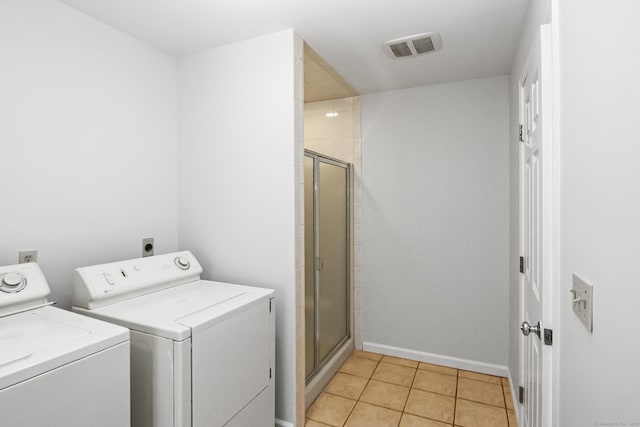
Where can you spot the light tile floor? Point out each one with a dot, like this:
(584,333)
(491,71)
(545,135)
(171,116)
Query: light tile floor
(372,390)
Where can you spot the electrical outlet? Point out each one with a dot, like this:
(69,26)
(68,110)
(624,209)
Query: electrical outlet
(27,256)
(147,246)
(582,301)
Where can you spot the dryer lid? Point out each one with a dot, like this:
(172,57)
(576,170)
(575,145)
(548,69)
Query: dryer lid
(170,313)
(40,340)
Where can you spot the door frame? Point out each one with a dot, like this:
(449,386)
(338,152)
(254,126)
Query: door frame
(550,220)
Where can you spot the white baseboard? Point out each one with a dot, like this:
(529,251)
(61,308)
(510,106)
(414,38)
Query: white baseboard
(514,399)
(282,423)
(438,359)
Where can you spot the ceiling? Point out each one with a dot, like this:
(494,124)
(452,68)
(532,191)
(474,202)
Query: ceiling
(479,36)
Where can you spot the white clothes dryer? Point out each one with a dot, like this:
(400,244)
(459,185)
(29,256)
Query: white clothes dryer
(57,368)
(202,352)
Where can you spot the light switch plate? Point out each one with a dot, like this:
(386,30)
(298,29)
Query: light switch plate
(582,293)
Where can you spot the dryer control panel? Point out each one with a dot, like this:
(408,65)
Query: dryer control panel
(22,286)
(104,284)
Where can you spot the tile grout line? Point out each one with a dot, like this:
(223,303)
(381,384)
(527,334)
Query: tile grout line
(455,399)
(362,392)
(406,402)
(433,392)
(324,390)
(486,403)
(504,397)
(482,403)
(388,382)
(385,382)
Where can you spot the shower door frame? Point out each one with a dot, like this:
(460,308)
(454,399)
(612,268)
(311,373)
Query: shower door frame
(317,158)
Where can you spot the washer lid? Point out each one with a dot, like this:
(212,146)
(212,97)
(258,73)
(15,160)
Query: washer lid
(40,340)
(170,313)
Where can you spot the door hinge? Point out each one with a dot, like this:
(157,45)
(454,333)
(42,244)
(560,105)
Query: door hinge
(522,264)
(269,372)
(548,336)
(269,305)
(521,137)
(521,394)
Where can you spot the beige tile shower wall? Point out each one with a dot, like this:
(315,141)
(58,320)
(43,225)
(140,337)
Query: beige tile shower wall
(328,128)
(332,128)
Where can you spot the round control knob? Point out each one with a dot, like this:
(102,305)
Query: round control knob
(12,282)
(11,279)
(182,263)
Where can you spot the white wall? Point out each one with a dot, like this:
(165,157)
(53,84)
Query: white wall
(600,193)
(539,13)
(236,177)
(87,141)
(435,219)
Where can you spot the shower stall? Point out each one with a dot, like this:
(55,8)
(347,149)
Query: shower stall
(327,268)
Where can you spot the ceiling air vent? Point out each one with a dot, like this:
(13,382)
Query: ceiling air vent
(419,44)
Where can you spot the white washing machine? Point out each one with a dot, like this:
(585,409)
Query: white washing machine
(202,352)
(57,368)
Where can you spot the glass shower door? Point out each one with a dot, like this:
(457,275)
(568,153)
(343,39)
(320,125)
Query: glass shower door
(327,258)
(333,257)
(309,270)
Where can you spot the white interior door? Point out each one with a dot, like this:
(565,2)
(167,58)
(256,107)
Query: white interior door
(536,231)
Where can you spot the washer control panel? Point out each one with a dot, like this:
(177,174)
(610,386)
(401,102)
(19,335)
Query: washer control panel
(104,284)
(22,286)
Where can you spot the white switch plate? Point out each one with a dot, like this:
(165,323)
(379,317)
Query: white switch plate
(583,307)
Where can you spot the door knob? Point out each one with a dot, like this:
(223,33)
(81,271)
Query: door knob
(526,329)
